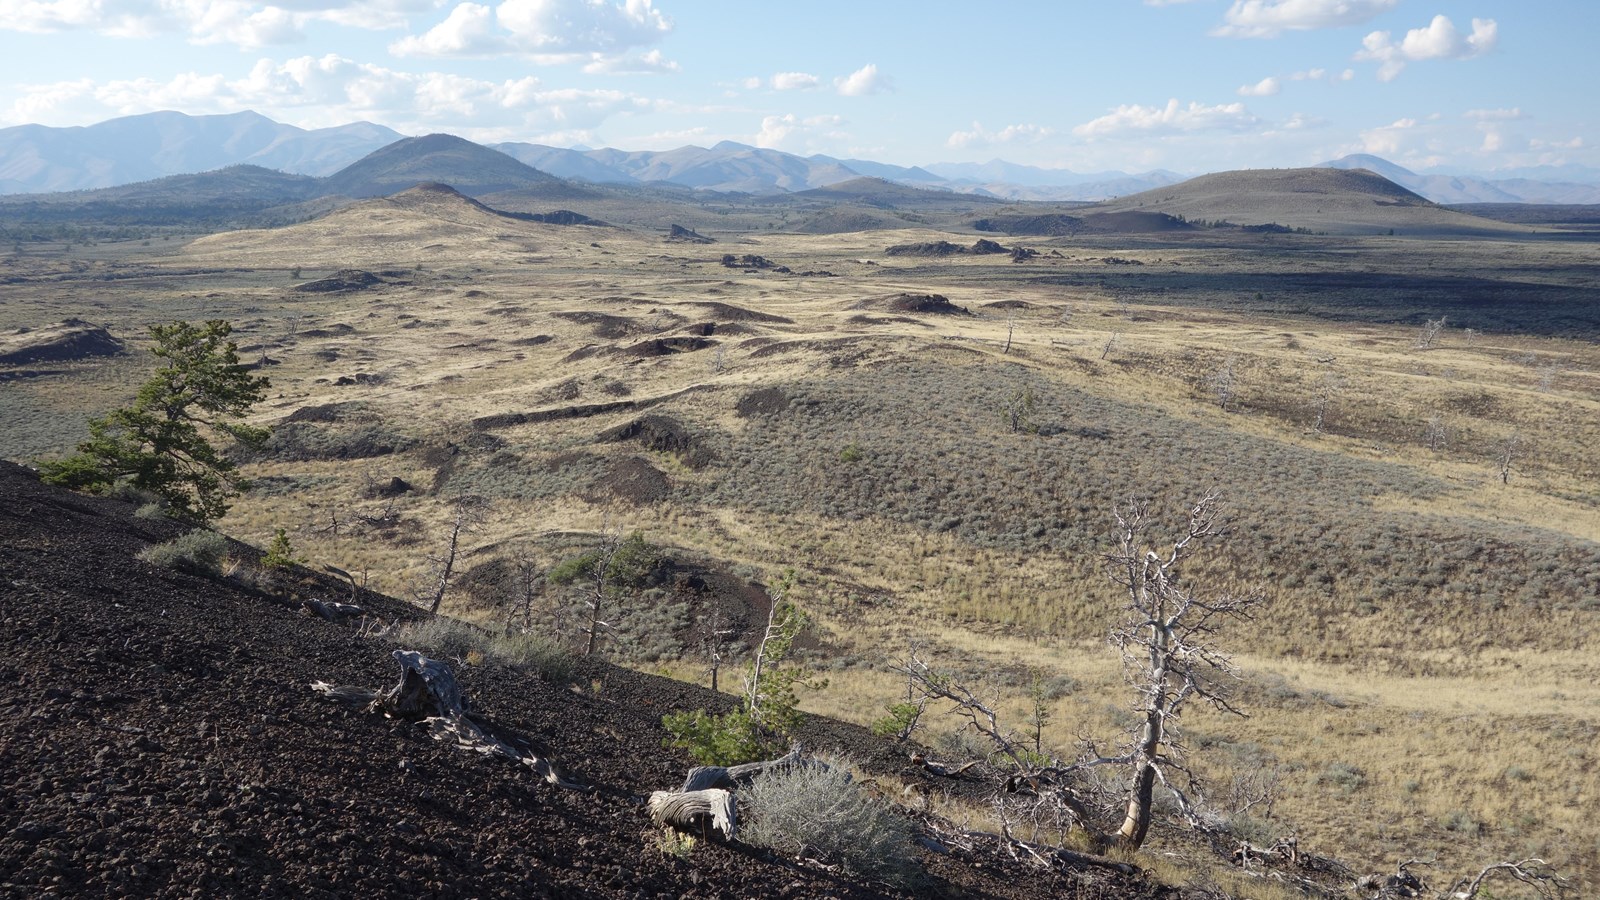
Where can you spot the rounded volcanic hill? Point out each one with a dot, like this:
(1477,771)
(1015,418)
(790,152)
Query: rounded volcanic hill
(469,168)
(429,221)
(1337,201)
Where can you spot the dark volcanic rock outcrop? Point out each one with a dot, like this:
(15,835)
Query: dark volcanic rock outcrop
(64,341)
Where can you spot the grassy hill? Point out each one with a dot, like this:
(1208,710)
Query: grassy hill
(1334,201)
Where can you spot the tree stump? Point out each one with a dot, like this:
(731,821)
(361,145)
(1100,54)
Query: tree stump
(700,812)
(429,695)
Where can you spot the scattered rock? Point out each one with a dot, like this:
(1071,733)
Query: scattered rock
(340,282)
(687,236)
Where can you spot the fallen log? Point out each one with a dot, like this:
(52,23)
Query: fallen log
(699,812)
(730,778)
(332,610)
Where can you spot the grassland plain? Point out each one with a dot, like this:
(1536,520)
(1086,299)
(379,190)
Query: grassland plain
(1423,675)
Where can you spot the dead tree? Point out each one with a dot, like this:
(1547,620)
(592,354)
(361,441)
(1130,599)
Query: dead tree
(597,588)
(980,714)
(1169,654)
(428,694)
(1224,384)
(1429,335)
(469,513)
(1510,451)
(1533,872)
(717,635)
(1327,389)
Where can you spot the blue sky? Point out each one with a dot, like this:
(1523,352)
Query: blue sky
(1187,85)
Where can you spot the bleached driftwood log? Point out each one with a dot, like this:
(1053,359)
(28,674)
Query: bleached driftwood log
(332,610)
(731,778)
(429,695)
(699,812)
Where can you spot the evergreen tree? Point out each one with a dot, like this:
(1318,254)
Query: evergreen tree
(163,442)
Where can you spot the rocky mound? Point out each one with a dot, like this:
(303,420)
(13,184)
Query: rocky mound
(935,304)
(65,341)
(557,217)
(340,282)
(750,261)
(981,247)
(687,235)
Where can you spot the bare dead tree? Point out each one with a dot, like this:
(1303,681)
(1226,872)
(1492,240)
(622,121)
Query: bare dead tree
(1011,329)
(598,589)
(1326,391)
(1435,433)
(1510,451)
(1223,383)
(467,514)
(1111,343)
(1428,336)
(980,713)
(1533,872)
(1167,639)
(526,587)
(716,637)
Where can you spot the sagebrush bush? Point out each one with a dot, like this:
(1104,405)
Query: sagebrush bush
(821,811)
(453,638)
(200,551)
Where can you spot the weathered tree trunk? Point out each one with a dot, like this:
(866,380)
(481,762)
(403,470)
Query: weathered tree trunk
(701,811)
(733,777)
(428,693)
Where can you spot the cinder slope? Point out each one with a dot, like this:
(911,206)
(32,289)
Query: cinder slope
(1335,201)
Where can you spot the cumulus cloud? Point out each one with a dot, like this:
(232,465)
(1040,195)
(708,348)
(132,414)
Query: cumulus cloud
(652,63)
(244,23)
(1388,140)
(1266,87)
(793,132)
(1169,119)
(863,81)
(543,30)
(1270,18)
(794,81)
(1011,134)
(331,90)
(1440,39)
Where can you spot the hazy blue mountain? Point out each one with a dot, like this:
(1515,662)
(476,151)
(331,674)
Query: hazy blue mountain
(1460,188)
(471,169)
(38,158)
(565,163)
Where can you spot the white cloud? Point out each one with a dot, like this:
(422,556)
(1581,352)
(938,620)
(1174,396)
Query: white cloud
(469,30)
(1011,134)
(794,81)
(244,23)
(1574,144)
(1169,119)
(863,81)
(334,90)
(1270,18)
(582,26)
(1388,140)
(1266,87)
(1440,39)
(752,83)
(1495,115)
(652,63)
(791,132)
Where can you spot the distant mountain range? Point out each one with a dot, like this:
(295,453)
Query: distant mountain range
(1470,189)
(36,159)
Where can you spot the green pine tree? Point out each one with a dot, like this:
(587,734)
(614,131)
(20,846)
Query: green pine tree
(163,442)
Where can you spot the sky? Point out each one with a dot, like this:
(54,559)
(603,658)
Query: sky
(1086,85)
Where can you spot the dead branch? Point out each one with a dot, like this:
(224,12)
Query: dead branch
(702,811)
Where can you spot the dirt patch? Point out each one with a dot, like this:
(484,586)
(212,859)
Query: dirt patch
(763,402)
(533,341)
(751,262)
(662,434)
(632,480)
(339,330)
(327,413)
(885,320)
(1008,304)
(926,248)
(65,341)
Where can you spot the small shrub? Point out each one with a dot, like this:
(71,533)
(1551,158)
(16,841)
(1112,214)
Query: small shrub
(1461,822)
(280,552)
(1344,776)
(822,812)
(199,551)
(464,641)
(155,510)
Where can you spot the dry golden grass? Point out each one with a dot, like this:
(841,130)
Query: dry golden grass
(1470,717)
